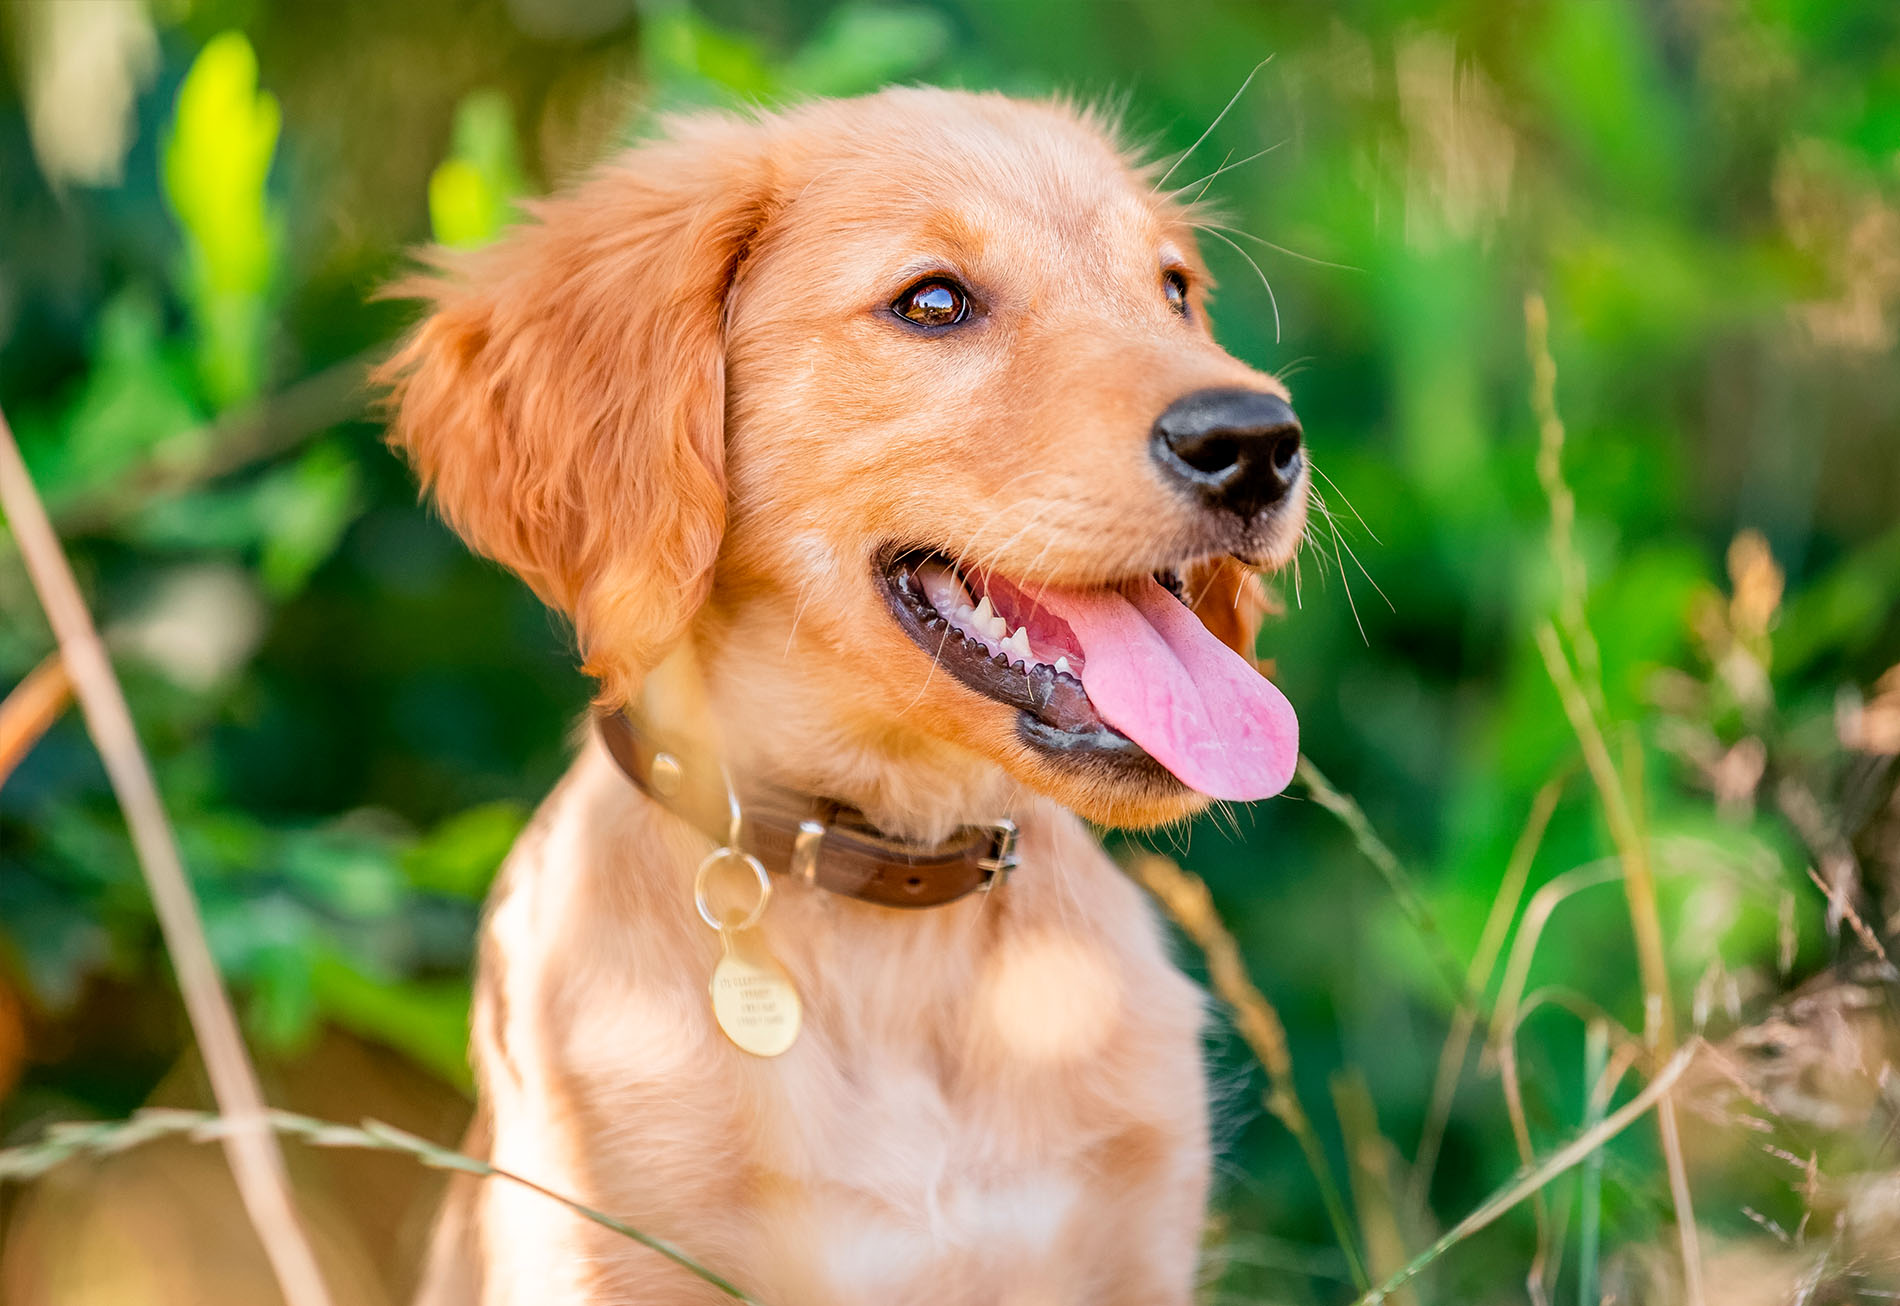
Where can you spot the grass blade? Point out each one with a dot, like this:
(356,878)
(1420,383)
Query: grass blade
(1533,1178)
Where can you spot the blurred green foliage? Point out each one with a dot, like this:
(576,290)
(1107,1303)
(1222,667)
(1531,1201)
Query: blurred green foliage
(351,717)
(471,194)
(217,157)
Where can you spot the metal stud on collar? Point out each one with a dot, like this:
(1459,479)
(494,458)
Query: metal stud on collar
(805,846)
(1003,859)
(668,776)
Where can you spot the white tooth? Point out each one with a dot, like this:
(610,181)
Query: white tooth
(1062,664)
(1018,644)
(963,611)
(998,628)
(983,615)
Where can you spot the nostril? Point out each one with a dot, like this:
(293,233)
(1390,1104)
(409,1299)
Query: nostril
(1286,452)
(1211,455)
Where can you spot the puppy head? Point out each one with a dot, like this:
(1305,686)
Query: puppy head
(836,391)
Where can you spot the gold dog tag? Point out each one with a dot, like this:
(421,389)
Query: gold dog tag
(753,998)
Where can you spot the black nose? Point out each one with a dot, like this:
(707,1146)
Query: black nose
(1239,450)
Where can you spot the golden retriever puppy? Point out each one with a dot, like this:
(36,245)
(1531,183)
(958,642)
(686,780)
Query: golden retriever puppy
(901,501)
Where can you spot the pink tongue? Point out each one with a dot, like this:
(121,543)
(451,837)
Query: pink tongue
(1160,677)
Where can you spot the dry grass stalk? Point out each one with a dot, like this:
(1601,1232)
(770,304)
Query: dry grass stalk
(98,1138)
(1534,1178)
(1837,902)
(30,709)
(1632,849)
(1563,504)
(1639,886)
(1188,903)
(256,1162)
(1840,870)
(1583,702)
(1497,924)
(1369,1160)
(1386,862)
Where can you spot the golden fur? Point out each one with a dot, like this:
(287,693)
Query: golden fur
(670,404)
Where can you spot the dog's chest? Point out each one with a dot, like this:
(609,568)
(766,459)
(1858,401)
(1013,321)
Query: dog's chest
(906,1179)
(947,1128)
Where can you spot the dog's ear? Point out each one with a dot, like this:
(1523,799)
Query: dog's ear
(564,399)
(1228,597)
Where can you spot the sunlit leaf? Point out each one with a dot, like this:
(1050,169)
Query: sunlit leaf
(217,161)
(689,60)
(472,193)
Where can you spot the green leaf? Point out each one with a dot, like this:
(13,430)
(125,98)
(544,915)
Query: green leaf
(135,403)
(302,514)
(217,159)
(459,856)
(862,47)
(349,873)
(472,192)
(689,61)
(426,1020)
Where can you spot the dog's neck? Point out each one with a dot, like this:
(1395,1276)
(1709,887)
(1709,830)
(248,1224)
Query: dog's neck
(909,786)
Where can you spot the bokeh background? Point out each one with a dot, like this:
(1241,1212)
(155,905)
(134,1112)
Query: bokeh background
(350,717)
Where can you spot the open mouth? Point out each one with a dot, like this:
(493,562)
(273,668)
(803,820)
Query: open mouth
(1122,674)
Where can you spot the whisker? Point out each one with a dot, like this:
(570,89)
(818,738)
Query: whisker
(1348,502)
(1271,297)
(1204,182)
(1344,580)
(1212,125)
(1282,249)
(1225,167)
(1363,572)
(798,612)
(1339,539)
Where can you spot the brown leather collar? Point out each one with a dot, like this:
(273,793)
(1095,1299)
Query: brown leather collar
(815,840)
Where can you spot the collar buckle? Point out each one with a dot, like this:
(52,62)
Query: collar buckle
(1002,859)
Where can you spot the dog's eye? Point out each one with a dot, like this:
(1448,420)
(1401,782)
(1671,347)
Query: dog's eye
(1174,286)
(933,303)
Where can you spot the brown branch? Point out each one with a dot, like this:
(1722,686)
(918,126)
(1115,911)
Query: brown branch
(270,426)
(29,710)
(256,1163)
